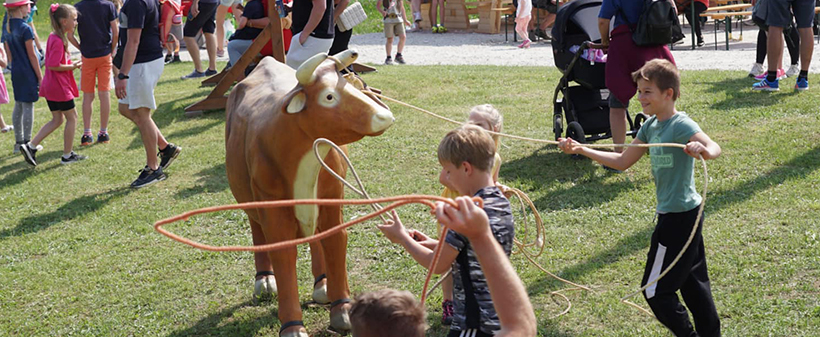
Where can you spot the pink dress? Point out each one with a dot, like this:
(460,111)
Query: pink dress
(58,86)
(4,93)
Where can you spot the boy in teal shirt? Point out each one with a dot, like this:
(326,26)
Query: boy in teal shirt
(678,201)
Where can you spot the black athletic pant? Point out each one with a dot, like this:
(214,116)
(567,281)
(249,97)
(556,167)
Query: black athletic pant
(689,276)
(790,35)
(699,8)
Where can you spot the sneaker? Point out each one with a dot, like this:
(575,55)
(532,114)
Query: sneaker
(765,85)
(16,149)
(447,312)
(435,29)
(103,137)
(781,74)
(210,72)
(399,58)
(388,61)
(72,158)
(176,59)
(86,140)
(167,156)
(543,34)
(220,53)
(442,29)
(194,74)
(802,84)
(29,154)
(757,70)
(7,128)
(700,43)
(168,58)
(794,70)
(148,177)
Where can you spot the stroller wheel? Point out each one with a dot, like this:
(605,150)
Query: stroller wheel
(575,131)
(557,125)
(640,118)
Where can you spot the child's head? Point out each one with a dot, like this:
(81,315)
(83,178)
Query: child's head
(659,73)
(397,312)
(461,153)
(18,7)
(487,117)
(63,20)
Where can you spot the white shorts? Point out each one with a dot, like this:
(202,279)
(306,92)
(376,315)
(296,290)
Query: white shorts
(229,2)
(299,53)
(143,77)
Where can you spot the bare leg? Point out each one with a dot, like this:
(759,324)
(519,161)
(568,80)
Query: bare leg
(88,100)
(774,48)
(2,122)
(48,128)
(149,133)
(433,13)
(617,123)
(105,109)
(441,10)
(193,49)
(210,44)
(388,47)
(402,39)
(221,12)
(70,128)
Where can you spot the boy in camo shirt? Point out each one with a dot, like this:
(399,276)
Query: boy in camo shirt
(466,155)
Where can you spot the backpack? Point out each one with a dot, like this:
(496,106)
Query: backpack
(658,24)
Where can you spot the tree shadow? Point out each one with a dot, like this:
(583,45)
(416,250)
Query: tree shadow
(224,323)
(68,211)
(213,179)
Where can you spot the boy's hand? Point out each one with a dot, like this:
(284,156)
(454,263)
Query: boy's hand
(569,145)
(467,219)
(694,149)
(393,229)
(422,239)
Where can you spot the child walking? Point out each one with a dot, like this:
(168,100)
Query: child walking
(523,14)
(394,21)
(97,27)
(678,201)
(59,87)
(25,70)
(466,155)
(488,118)
(4,94)
(170,16)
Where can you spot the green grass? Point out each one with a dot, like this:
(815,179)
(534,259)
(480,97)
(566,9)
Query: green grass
(78,254)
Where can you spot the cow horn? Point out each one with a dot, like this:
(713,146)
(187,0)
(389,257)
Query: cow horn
(305,72)
(346,58)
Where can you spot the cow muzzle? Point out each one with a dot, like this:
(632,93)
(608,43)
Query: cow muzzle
(381,120)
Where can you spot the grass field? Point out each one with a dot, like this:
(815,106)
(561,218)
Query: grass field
(78,254)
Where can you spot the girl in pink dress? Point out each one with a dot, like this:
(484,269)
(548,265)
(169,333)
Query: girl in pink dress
(523,13)
(59,87)
(4,94)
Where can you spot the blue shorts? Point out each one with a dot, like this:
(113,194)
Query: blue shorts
(779,13)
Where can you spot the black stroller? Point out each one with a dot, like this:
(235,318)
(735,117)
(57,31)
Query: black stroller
(585,105)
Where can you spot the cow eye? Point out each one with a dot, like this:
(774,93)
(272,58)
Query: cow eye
(328,98)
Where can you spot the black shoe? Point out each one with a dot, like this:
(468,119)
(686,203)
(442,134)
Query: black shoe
(399,58)
(168,58)
(210,72)
(388,60)
(29,154)
(194,74)
(103,137)
(72,158)
(86,140)
(543,34)
(148,177)
(176,59)
(167,156)
(700,43)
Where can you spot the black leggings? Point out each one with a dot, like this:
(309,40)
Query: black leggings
(791,37)
(699,8)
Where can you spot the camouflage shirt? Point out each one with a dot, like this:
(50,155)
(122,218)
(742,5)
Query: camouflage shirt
(473,306)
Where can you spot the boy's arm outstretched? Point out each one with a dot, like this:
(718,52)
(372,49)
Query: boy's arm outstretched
(700,143)
(618,161)
(507,291)
(417,245)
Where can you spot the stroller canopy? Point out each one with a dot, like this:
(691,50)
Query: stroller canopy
(576,17)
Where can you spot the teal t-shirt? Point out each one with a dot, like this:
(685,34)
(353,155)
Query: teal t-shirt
(673,169)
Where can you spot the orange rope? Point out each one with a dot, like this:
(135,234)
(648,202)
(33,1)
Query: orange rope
(396,202)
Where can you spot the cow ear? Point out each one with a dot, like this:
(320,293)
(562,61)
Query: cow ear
(297,102)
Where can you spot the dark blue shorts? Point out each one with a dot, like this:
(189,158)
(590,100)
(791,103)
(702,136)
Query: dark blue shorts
(779,13)
(206,20)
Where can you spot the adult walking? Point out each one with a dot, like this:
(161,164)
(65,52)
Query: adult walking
(778,16)
(140,62)
(201,16)
(624,58)
(312,28)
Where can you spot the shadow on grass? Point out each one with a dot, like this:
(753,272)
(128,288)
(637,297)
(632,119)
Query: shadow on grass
(209,180)
(25,171)
(166,114)
(739,94)
(224,323)
(68,211)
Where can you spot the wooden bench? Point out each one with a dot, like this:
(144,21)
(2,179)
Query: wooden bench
(725,14)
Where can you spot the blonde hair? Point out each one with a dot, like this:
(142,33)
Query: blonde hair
(468,143)
(388,310)
(10,11)
(662,73)
(63,11)
(492,116)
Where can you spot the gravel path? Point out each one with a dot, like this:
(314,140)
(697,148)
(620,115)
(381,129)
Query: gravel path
(466,48)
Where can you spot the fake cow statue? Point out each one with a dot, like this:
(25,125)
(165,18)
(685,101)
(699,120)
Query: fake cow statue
(273,118)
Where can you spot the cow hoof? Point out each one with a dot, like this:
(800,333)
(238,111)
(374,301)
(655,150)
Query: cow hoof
(340,319)
(320,294)
(264,289)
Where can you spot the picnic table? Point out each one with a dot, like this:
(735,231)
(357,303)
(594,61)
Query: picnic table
(457,15)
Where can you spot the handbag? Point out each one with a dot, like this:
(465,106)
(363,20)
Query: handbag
(351,16)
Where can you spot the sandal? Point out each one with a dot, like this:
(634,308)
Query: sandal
(526,44)
(7,128)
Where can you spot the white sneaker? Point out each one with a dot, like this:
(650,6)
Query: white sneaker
(794,70)
(757,70)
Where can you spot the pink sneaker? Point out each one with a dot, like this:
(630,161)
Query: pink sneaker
(525,44)
(781,74)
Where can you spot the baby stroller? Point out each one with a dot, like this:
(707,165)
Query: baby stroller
(585,105)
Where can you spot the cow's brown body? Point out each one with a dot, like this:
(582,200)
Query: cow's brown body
(269,156)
